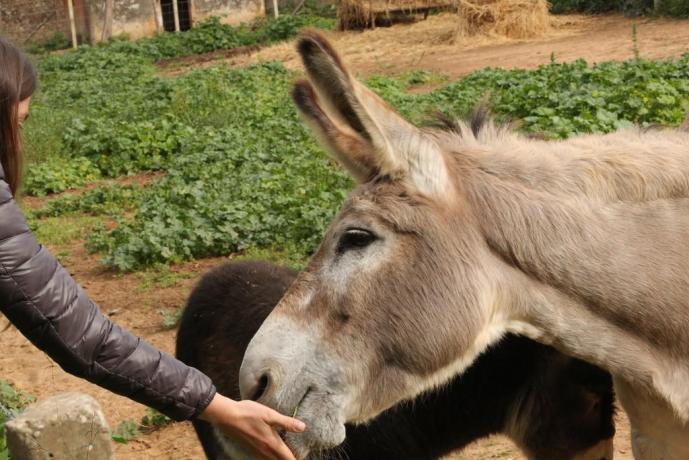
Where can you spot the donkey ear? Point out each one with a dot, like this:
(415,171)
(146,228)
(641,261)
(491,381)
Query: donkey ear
(336,90)
(395,145)
(352,151)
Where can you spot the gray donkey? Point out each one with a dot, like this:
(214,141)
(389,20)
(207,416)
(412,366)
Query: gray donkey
(453,239)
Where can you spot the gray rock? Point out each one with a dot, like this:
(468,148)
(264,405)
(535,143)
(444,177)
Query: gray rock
(69,426)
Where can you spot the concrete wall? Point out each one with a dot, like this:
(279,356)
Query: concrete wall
(31,21)
(136,18)
(232,11)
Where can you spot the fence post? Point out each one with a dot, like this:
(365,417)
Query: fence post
(158,16)
(107,21)
(72,25)
(175,12)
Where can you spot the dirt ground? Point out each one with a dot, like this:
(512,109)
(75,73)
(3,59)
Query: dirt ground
(135,300)
(428,45)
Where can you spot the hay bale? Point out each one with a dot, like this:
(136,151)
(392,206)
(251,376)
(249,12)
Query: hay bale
(357,14)
(509,18)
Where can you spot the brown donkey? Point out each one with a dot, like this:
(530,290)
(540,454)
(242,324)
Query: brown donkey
(551,405)
(453,239)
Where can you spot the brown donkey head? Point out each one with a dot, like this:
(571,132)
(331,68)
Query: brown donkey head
(399,297)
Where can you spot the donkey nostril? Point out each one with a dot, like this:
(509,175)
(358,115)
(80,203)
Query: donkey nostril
(261,387)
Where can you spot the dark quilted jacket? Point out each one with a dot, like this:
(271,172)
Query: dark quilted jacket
(50,309)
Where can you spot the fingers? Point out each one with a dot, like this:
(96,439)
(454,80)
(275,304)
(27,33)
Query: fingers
(279,421)
(281,450)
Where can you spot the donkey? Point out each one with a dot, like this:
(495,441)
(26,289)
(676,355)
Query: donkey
(450,241)
(551,405)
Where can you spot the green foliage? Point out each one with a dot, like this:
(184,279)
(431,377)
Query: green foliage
(62,230)
(211,35)
(142,145)
(585,6)
(559,100)
(171,319)
(57,41)
(101,111)
(153,421)
(12,401)
(57,174)
(677,8)
(104,200)
(129,430)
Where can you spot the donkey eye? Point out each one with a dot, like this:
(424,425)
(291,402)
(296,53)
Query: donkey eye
(355,238)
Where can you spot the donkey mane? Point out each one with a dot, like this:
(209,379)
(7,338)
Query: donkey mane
(479,121)
(633,164)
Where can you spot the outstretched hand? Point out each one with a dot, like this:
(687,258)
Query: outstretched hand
(253,425)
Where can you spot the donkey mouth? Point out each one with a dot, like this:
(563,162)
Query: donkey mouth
(323,432)
(301,401)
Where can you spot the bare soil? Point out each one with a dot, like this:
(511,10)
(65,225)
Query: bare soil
(430,45)
(135,300)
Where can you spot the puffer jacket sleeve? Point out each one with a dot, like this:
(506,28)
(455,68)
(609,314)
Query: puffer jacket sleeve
(43,301)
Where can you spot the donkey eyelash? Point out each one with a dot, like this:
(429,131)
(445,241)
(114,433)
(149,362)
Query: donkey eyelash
(355,238)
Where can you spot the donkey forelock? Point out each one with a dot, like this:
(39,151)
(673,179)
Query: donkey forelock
(456,236)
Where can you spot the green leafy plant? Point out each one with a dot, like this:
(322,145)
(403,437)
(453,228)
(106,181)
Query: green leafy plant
(171,319)
(126,431)
(58,174)
(12,401)
(57,41)
(105,200)
(129,430)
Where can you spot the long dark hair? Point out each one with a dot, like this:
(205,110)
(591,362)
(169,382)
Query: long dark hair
(17,82)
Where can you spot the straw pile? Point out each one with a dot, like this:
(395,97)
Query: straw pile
(509,18)
(369,13)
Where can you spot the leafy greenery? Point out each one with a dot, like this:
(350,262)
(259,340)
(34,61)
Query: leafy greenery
(171,319)
(12,401)
(57,41)
(64,229)
(104,200)
(560,100)
(57,174)
(679,8)
(128,430)
(585,6)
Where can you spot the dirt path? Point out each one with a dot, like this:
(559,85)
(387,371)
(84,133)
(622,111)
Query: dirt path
(134,300)
(427,45)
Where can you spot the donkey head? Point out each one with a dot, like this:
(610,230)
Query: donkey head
(399,296)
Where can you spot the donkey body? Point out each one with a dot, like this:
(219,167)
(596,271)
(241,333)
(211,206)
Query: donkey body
(551,405)
(450,241)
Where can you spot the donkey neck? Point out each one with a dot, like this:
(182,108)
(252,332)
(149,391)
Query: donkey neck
(628,165)
(607,282)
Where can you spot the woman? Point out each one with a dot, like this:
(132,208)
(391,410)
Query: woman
(50,309)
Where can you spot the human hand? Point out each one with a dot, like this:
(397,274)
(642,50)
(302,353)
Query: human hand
(253,425)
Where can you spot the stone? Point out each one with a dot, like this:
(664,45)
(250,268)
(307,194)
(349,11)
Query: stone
(63,427)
